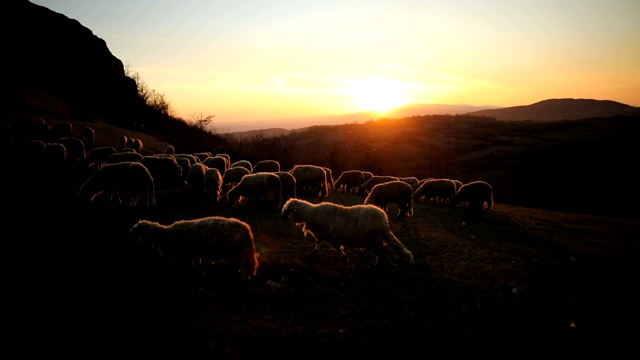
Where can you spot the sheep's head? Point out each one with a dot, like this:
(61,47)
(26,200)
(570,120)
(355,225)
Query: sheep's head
(290,209)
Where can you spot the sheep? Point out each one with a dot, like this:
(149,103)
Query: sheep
(439,190)
(213,184)
(56,152)
(138,145)
(226,156)
(266,166)
(411,180)
(366,187)
(478,195)
(99,156)
(349,181)
(311,180)
(216,162)
(192,159)
(357,226)
(123,140)
(165,170)
(458,184)
(202,155)
(265,187)
(233,175)
(129,143)
(288,185)
(88,136)
(62,129)
(202,241)
(184,164)
(75,148)
(243,163)
(170,150)
(131,179)
(329,173)
(367,175)
(196,179)
(124,156)
(392,192)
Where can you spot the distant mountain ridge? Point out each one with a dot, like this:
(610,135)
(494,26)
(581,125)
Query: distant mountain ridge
(561,109)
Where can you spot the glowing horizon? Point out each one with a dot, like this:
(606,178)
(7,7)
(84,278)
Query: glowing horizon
(248,61)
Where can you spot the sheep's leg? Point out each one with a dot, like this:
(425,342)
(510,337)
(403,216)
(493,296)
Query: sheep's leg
(313,253)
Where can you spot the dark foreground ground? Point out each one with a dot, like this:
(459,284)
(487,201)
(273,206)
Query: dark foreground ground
(519,282)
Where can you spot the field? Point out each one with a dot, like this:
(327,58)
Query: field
(519,282)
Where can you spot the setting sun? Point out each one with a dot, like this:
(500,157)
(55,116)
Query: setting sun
(378,94)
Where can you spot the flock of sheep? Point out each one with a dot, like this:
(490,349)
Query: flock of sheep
(126,177)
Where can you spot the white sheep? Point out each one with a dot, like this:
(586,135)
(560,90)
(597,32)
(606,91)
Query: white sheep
(126,179)
(263,187)
(202,241)
(311,180)
(366,187)
(441,191)
(349,181)
(478,195)
(357,227)
(392,192)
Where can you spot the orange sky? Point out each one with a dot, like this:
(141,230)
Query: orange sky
(262,60)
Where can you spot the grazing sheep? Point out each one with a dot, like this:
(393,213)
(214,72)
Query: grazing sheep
(357,226)
(243,163)
(311,180)
(440,191)
(99,156)
(233,175)
(124,156)
(349,181)
(88,136)
(170,150)
(202,241)
(392,192)
(367,175)
(329,173)
(56,152)
(126,179)
(366,187)
(226,156)
(264,187)
(478,195)
(184,164)
(288,185)
(266,166)
(165,171)
(213,184)
(458,184)
(192,159)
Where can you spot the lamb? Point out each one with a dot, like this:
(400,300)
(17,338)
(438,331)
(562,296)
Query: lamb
(438,190)
(392,192)
(130,179)
(265,187)
(366,187)
(311,180)
(349,181)
(202,241)
(213,184)
(478,195)
(357,226)
(266,166)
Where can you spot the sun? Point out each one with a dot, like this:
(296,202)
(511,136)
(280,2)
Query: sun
(378,94)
